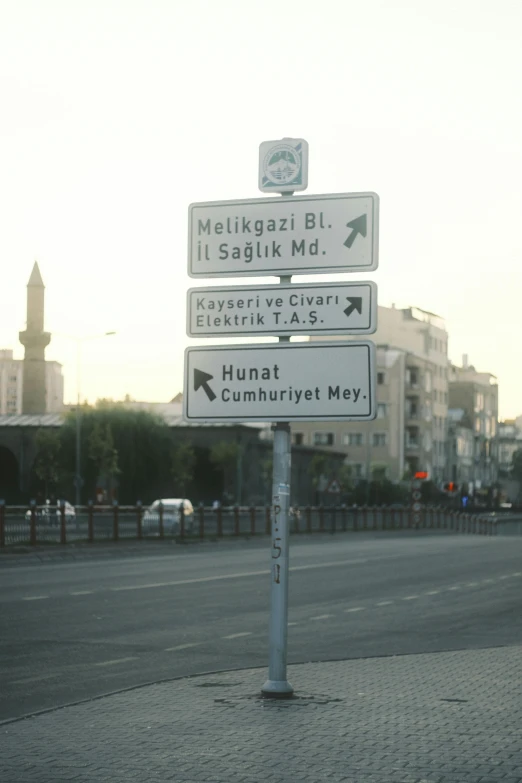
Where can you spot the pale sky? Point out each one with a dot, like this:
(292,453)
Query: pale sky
(116,114)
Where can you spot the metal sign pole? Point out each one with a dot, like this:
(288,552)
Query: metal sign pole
(277,686)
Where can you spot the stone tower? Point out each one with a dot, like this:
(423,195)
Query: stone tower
(35,341)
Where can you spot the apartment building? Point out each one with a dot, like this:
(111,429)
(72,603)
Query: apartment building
(476,394)
(460,448)
(409,433)
(509,441)
(11,385)
(11,380)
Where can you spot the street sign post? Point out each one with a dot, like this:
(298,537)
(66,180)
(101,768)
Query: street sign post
(297,235)
(310,308)
(322,381)
(282,382)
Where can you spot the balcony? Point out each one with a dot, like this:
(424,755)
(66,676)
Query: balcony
(413,378)
(413,408)
(412,444)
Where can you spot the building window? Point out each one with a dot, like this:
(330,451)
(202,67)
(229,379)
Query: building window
(380,378)
(353,439)
(381,410)
(323,439)
(298,438)
(412,377)
(13,378)
(379,439)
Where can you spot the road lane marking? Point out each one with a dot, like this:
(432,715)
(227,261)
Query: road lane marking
(455,587)
(472,584)
(34,597)
(410,598)
(517,573)
(82,592)
(433,592)
(116,661)
(506,576)
(310,566)
(293,623)
(239,575)
(183,646)
(237,635)
(197,580)
(40,677)
(355,609)
(383,603)
(488,581)
(322,617)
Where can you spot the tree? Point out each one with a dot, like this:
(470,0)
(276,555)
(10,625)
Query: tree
(183,460)
(103,453)
(47,463)
(516,468)
(142,441)
(267,469)
(224,455)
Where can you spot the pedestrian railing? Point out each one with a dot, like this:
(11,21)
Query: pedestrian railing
(55,525)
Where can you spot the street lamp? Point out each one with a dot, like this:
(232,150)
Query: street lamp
(78,475)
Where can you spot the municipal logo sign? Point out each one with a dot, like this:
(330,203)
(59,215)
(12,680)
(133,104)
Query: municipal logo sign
(283,165)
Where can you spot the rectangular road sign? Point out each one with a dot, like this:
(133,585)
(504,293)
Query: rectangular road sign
(320,381)
(309,308)
(330,233)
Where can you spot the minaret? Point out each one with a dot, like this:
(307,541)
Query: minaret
(35,341)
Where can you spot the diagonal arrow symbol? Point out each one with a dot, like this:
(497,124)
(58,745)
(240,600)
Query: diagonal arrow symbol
(355,304)
(201,380)
(358,226)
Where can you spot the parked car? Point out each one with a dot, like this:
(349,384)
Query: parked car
(171,516)
(50,514)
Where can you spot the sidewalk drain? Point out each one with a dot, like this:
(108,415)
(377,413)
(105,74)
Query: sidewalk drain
(460,701)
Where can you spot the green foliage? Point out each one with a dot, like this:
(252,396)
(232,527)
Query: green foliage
(378,493)
(141,441)
(102,451)
(345,477)
(267,469)
(516,466)
(47,462)
(183,463)
(319,466)
(224,454)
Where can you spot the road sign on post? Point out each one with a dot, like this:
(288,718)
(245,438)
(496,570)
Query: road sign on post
(300,235)
(309,308)
(318,381)
(282,382)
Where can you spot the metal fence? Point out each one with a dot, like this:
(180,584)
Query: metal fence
(53,525)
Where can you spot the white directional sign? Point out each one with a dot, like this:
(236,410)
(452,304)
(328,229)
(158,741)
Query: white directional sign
(284,236)
(280,382)
(310,308)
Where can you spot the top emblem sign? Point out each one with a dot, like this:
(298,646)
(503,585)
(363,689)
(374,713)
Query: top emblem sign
(283,166)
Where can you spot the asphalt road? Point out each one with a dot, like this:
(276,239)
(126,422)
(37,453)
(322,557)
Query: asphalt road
(74,630)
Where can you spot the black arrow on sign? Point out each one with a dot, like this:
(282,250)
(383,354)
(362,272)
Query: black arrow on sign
(358,226)
(201,379)
(355,304)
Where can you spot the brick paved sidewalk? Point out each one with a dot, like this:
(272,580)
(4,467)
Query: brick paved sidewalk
(451,717)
